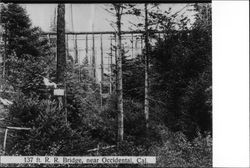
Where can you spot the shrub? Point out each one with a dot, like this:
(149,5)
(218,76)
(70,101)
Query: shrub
(177,151)
(50,134)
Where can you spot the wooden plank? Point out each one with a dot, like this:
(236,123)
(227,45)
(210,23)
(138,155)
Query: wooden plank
(15,128)
(98,148)
(18,128)
(6,134)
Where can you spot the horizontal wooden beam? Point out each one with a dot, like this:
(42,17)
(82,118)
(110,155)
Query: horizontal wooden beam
(16,128)
(99,32)
(96,149)
(104,1)
(7,91)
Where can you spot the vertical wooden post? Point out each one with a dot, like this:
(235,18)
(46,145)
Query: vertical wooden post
(101,59)
(101,84)
(111,62)
(86,49)
(146,103)
(54,45)
(98,148)
(77,58)
(136,44)
(101,92)
(5,140)
(93,56)
(141,44)
(164,35)
(116,78)
(48,36)
(67,47)
(66,43)
(132,44)
(76,49)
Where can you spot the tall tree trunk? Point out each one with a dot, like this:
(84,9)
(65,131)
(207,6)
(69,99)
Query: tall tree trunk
(61,54)
(4,56)
(119,75)
(102,78)
(146,101)
(116,64)
(93,57)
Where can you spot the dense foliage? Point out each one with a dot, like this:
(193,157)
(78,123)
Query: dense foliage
(180,73)
(28,54)
(182,78)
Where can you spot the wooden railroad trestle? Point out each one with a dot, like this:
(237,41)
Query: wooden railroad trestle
(96,52)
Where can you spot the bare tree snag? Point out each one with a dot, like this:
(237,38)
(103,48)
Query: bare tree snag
(118,9)
(93,56)
(61,54)
(146,101)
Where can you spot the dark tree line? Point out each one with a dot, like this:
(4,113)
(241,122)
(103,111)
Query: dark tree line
(27,54)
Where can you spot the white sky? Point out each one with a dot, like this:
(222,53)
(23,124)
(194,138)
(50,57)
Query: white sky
(83,15)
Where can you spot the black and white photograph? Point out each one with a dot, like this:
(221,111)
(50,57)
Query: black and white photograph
(105,81)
